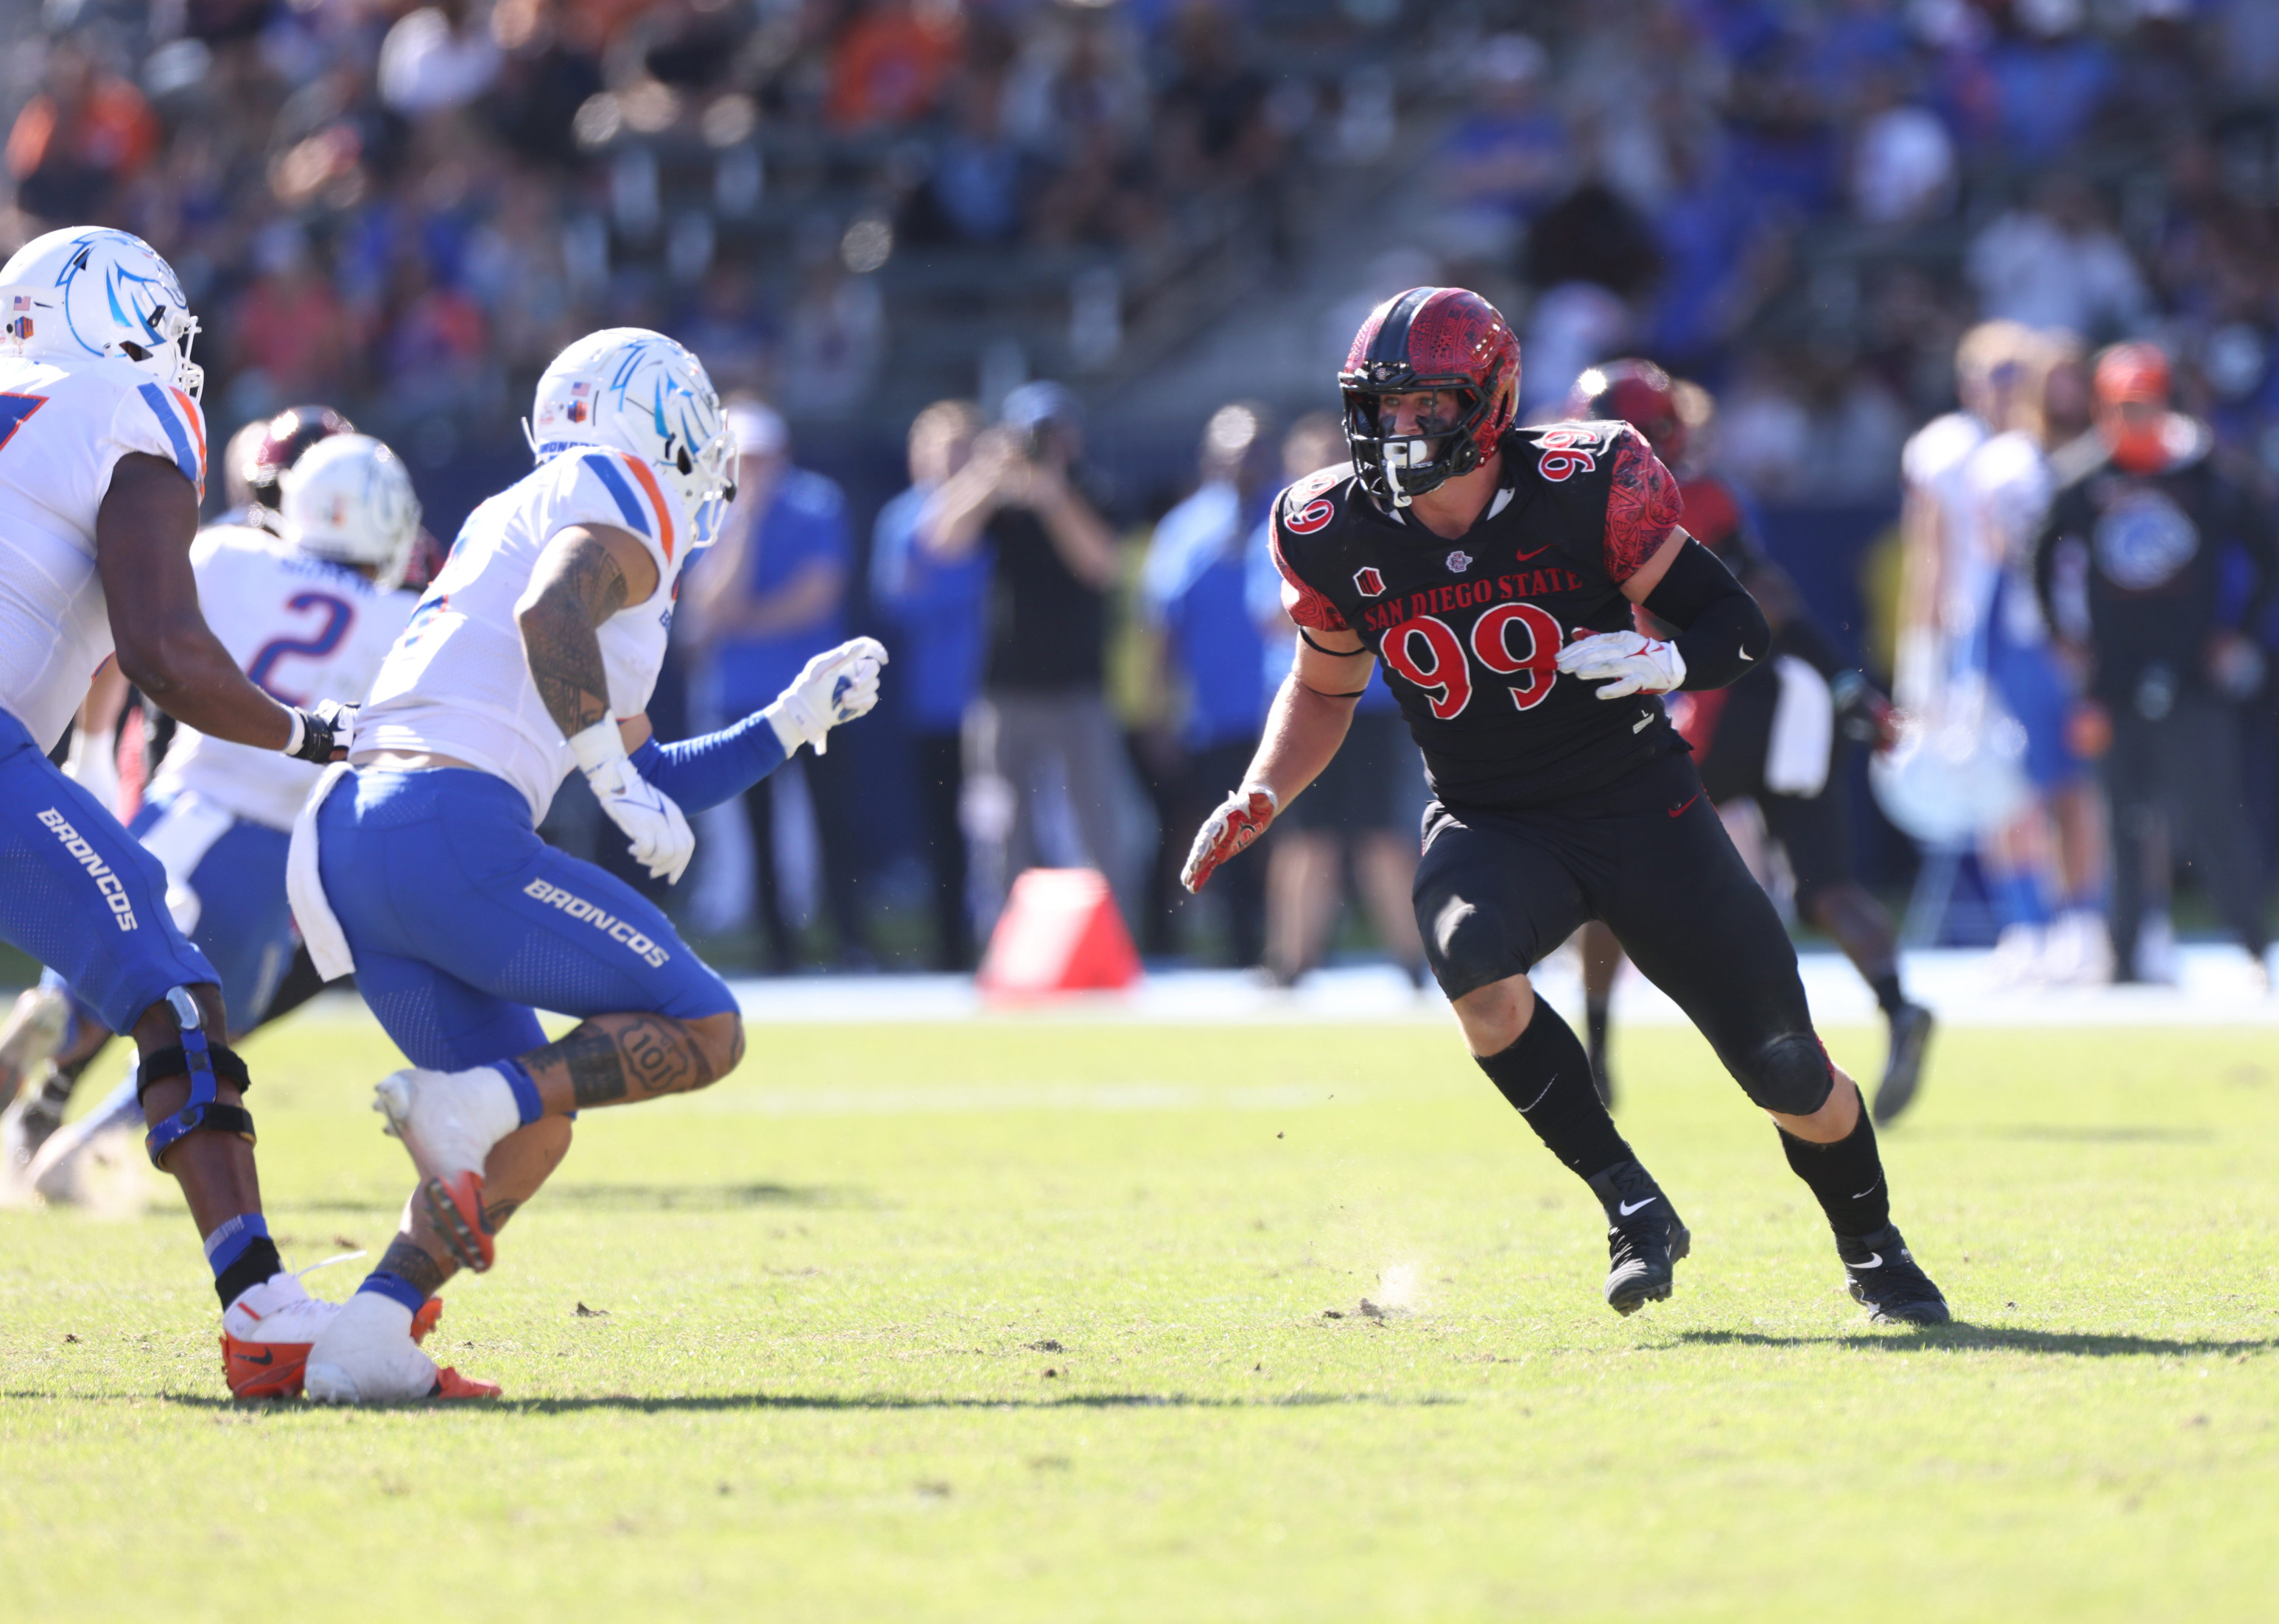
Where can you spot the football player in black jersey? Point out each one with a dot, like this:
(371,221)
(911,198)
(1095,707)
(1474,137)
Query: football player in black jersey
(1492,573)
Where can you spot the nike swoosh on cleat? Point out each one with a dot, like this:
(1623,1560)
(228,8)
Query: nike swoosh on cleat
(1628,1208)
(266,1358)
(1875,1261)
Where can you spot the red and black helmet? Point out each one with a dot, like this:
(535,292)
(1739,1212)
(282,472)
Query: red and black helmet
(1429,338)
(290,432)
(1639,393)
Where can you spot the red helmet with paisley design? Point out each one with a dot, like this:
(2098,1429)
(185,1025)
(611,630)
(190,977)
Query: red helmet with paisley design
(1446,339)
(1637,393)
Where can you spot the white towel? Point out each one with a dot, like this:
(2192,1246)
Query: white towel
(1803,732)
(320,931)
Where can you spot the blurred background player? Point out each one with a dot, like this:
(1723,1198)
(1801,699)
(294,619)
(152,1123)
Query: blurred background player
(2156,519)
(1359,819)
(419,868)
(938,606)
(1773,738)
(102,466)
(1944,668)
(1193,599)
(1494,571)
(117,744)
(309,613)
(2056,845)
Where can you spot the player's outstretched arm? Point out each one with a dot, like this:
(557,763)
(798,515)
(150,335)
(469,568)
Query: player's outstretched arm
(142,536)
(1311,714)
(836,686)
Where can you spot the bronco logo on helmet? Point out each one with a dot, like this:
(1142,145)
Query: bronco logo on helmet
(1445,339)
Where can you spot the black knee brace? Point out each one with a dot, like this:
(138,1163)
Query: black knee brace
(204,1064)
(1790,1075)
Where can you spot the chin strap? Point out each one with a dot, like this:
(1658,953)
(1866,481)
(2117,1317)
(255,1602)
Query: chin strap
(201,1062)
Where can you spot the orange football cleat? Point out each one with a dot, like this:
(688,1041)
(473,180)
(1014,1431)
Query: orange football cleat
(450,1385)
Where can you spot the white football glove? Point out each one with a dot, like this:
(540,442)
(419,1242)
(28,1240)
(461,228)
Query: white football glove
(92,762)
(656,834)
(1626,663)
(838,686)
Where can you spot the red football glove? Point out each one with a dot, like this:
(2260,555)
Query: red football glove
(1240,819)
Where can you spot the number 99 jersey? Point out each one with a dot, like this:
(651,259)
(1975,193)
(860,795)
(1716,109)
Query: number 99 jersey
(305,630)
(63,430)
(1467,630)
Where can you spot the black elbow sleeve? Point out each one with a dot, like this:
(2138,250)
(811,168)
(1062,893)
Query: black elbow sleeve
(1720,632)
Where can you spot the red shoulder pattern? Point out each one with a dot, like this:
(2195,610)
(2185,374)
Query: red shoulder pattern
(1643,503)
(1296,509)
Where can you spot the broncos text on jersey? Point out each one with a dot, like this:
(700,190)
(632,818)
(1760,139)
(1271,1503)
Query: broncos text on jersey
(1468,630)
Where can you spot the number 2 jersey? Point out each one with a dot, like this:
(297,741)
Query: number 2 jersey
(63,430)
(457,683)
(1466,631)
(305,630)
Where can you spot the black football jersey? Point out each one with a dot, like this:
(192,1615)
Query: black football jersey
(1466,631)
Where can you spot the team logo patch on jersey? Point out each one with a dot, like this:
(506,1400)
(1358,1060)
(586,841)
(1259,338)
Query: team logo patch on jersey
(1460,561)
(1368,582)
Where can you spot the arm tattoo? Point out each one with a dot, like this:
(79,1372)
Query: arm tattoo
(409,1262)
(635,1057)
(582,588)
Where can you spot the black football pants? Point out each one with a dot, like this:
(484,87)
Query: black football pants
(1498,890)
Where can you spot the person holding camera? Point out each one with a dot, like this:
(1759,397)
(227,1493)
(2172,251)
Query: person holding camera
(2151,512)
(1043,714)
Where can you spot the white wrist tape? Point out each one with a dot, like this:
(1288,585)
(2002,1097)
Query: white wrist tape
(292,745)
(598,745)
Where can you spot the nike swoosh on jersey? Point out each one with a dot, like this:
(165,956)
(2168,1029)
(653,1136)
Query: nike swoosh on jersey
(1676,811)
(1537,553)
(1628,1208)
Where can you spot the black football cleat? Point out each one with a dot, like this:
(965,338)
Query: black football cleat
(1911,1029)
(1645,1237)
(1884,1276)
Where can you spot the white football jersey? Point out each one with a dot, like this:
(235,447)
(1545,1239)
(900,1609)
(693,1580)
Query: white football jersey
(2009,480)
(1936,464)
(304,630)
(457,683)
(62,431)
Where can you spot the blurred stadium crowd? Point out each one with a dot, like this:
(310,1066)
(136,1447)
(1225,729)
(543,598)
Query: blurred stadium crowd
(882,215)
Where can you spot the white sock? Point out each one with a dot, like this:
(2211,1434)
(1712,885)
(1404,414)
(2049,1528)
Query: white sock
(490,1104)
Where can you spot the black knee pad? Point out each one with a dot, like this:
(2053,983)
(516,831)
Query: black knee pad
(1789,1074)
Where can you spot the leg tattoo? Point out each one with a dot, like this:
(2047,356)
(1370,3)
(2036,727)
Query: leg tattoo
(612,1059)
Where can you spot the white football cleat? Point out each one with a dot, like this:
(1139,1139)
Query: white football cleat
(368,1354)
(35,1030)
(449,1121)
(266,1336)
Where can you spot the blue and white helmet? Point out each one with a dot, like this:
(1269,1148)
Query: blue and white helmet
(87,291)
(349,498)
(640,393)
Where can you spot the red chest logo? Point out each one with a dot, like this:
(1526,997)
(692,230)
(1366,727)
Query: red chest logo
(1368,582)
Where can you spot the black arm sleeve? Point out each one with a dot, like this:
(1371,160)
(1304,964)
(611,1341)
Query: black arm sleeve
(1720,632)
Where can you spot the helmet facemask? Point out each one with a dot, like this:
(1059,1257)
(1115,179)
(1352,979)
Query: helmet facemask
(1396,468)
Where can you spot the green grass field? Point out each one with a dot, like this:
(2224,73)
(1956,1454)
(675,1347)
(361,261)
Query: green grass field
(1026,1321)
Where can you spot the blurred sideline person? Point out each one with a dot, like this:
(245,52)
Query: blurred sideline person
(938,606)
(1773,738)
(770,596)
(308,614)
(2153,513)
(1360,816)
(1043,718)
(1494,571)
(1952,559)
(1192,602)
(418,868)
(2057,843)
(101,473)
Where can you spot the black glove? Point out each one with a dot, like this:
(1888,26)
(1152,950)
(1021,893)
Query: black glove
(323,732)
